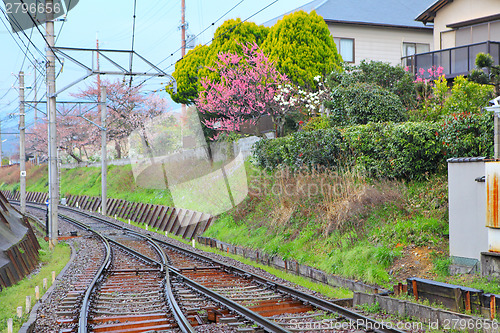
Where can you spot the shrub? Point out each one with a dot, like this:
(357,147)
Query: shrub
(467,96)
(406,150)
(393,78)
(301,149)
(316,123)
(467,135)
(361,103)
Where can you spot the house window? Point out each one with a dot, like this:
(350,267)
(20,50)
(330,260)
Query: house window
(410,49)
(345,47)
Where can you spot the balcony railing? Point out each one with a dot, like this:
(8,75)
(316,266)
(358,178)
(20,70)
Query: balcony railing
(455,61)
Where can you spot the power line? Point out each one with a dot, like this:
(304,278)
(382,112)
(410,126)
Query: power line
(26,53)
(213,23)
(18,26)
(15,40)
(41,34)
(133,39)
(62,25)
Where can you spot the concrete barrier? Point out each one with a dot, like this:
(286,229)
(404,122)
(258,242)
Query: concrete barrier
(290,266)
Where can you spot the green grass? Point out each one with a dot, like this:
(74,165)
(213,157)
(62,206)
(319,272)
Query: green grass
(298,280)
(364,247)
(14,296)
(87,181)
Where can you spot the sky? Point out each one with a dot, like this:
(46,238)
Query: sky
(157,36)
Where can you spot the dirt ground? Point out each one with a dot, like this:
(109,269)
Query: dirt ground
(415,262)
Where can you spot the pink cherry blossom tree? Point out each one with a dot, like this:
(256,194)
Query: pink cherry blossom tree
(73,137)
(128,109)
(249,86)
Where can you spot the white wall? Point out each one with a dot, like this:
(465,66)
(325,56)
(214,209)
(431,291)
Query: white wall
(380,43)
(459,11)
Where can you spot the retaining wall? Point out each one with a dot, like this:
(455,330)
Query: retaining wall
(181,222)
(432,317)
(290,266)
(18,245)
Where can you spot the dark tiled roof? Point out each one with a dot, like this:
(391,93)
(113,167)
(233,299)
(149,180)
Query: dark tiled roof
(429,13)
(400,13)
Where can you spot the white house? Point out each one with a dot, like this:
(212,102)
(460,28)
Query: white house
(461,29)
(383,30)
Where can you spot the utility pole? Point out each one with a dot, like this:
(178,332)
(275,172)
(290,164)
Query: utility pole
(22,146)
(104,162)
(34,86)
(52,130)
(183,53)
(36,105)
(183,28)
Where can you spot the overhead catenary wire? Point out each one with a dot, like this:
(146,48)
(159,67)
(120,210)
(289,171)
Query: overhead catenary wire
(62,25)
(133,39)
(15,40)
(41,34)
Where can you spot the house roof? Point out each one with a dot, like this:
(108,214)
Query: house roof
(390,13)
(429,14)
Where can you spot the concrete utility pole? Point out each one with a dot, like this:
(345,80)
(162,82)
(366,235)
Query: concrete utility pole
(36,104)
(104,162)
(34,86)
(22,145)
(183,28)
(51,114)
(183,53)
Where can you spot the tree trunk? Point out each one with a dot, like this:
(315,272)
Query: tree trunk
(118,149)
(78,159)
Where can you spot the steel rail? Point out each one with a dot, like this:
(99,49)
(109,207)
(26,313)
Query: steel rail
(360,320)
(181,320)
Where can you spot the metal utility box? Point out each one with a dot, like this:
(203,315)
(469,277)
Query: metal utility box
(467,211)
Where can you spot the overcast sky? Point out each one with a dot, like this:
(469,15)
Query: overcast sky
(157,36)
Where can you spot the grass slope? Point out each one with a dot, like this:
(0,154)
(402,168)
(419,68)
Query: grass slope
(86,181)
(380,232)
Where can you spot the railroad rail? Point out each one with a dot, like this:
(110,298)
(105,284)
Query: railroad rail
(270,305)
(126,283)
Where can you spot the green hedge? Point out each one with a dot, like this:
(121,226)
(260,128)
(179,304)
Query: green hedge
(405,150)
(394,150)
(362,103)
(466,135)
(323,147)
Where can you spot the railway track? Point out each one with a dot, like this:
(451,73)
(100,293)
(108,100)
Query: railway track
(206,289)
